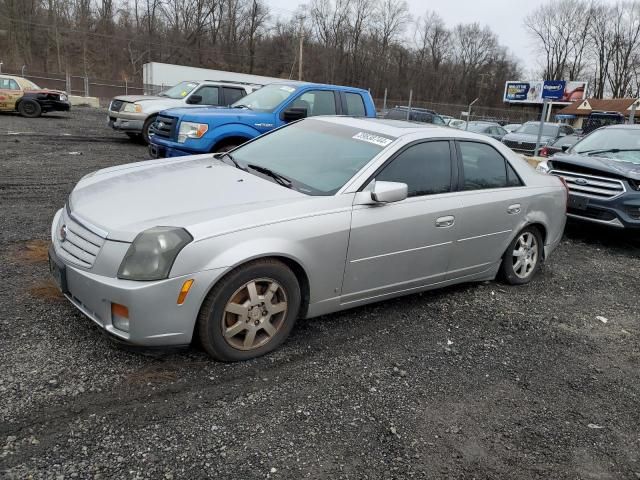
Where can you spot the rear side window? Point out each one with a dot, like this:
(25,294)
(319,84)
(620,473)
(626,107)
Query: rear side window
(484,167)
(355,105)
(232,95)
(425,168)
(8,84)
(317,102)
(396,114)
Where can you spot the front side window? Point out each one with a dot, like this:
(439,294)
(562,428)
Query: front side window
(210,95)
(425,168)
(483,167)
(317,156)
(355,104)
(317,102)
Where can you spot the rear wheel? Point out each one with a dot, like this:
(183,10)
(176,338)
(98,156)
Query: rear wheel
(250,312)
(523,256)
(29,108)
(146,128)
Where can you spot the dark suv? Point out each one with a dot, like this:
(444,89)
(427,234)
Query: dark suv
(423,115)
(523,140)
(602,172)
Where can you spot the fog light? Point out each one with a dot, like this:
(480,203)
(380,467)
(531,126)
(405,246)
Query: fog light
(120,317)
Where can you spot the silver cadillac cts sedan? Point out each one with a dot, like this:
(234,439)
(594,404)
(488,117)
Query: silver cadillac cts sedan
(324,214)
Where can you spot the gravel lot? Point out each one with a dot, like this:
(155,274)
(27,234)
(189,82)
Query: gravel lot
(476,381)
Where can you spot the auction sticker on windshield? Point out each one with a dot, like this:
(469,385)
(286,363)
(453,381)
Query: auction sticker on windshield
(375,139)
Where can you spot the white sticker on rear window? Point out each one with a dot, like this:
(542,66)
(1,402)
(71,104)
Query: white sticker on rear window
(287,89)
(375,139)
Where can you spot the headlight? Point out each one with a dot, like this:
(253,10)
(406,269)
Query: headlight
(152,253)
(543,167)
(63,98)
(132,108)
(191,130)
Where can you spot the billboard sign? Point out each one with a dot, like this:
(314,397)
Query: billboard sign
(534,92)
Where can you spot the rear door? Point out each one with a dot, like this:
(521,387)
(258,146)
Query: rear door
(493,202)
(232,94)
(405,245)
(10,93)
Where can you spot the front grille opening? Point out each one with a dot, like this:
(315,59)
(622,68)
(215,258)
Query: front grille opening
(594,213)
(164,126)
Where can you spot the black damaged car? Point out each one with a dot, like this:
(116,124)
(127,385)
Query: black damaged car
(602,172)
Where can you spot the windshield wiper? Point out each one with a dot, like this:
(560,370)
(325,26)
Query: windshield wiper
(610,150)
(281,179)
(230,157)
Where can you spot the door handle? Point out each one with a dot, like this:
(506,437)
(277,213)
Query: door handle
(514,209)
(445,222)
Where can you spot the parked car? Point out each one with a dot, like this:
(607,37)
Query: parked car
(134,114)
(562,144)
(28,99)
(603,174)
(524,139)
(459,124)
(489,129)
(204,130)
(512,127)
(322,215)
(596,120)
(422,115)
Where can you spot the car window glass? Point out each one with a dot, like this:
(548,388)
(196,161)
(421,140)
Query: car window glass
(232,95)
(209,95)
(425,168)
(483,166)
(317,102)
(396,114)
(355,104)
(437,119)
(9,84)
(512,177)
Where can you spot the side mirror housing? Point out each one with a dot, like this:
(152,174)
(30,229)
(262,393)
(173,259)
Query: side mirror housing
(565,147)
(389,192)
(293,113)
(194,99)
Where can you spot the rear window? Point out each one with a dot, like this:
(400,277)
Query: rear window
(355,105)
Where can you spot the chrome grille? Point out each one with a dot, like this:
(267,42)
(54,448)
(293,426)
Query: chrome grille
(78,245)
(116,105)
(523,146)
(164,126)
(591,185)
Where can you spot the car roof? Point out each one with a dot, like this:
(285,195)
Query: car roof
(297,83)
(13,77)
(623,126)
(395,128)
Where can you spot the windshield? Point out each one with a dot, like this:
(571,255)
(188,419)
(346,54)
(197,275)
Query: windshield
(478,127)
(548,130)
(266,99)
(624,143)
(318,157)
(180,91)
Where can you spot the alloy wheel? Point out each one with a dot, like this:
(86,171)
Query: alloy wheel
(254,314)
(525,255)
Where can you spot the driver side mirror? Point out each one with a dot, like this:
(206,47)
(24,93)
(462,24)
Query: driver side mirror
(565,147)
(194,99)
(389,192)
(293,113)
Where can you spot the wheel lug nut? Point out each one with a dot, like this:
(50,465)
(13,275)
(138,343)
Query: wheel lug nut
(257,322)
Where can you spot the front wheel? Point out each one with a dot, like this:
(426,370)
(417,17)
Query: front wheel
(523,257)
(250,312)
(146,128)
(29,109)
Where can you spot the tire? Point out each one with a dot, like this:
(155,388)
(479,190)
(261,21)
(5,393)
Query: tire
(523,257)
(244,313)
(29,108)
(226,148)
(145,128)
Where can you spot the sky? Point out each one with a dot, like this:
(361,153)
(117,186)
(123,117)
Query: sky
(505,17)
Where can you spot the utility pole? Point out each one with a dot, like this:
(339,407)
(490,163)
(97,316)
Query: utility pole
(300,53)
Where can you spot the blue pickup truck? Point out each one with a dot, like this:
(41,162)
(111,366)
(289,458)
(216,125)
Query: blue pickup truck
(191,131)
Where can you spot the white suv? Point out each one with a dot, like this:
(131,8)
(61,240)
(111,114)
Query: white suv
(134,114)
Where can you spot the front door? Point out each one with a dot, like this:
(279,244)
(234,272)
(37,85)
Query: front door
(405,245)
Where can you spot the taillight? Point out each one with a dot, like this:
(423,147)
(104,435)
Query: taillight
(543,152)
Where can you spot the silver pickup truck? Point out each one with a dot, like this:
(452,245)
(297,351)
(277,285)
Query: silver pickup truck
(134,114)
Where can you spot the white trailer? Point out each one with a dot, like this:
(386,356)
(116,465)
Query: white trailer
(159,76)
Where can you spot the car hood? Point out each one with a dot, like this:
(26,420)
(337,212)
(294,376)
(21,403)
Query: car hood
(46,91)
(141,98)
(199,193)
(526,137)
(603,164)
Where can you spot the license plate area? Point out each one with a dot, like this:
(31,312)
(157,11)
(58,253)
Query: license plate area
(59,272)
(578,202)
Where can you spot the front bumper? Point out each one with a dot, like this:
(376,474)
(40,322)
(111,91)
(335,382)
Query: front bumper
(125,124)
(620,212)
(155,318)
(159,148)
(55,105)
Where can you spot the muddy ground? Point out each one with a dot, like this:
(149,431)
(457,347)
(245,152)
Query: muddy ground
(477,381)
